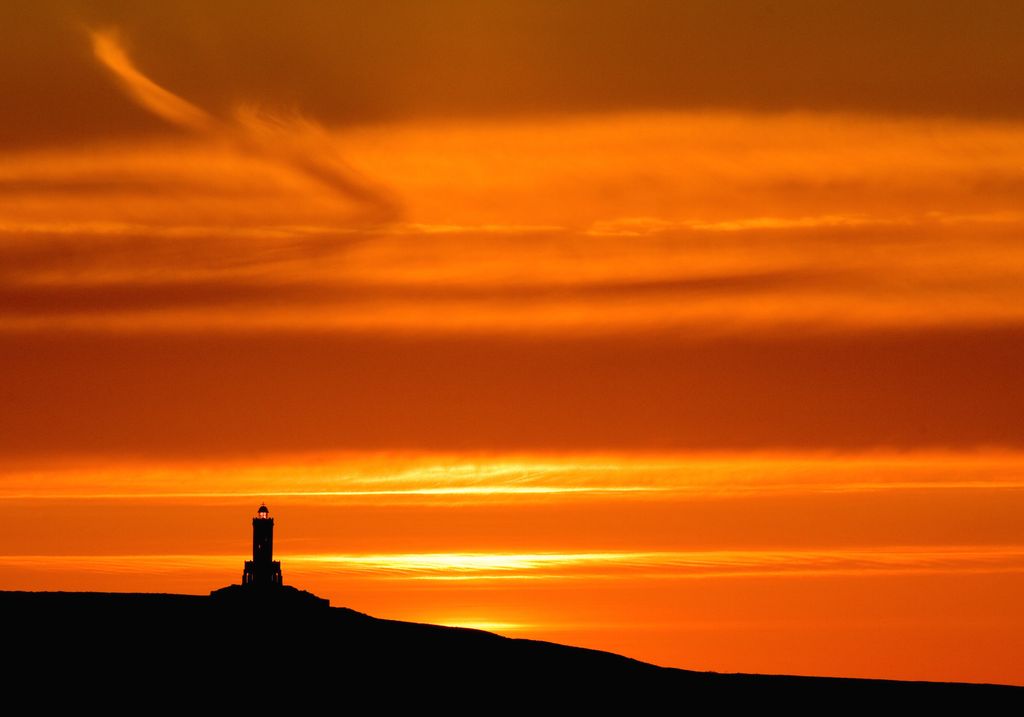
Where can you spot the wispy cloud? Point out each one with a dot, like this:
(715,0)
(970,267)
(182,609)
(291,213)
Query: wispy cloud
(161,102)
(355,478)
(673,564)
(297,143)
(705,222)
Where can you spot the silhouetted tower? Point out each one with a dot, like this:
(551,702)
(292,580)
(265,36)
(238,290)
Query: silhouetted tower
(262,569)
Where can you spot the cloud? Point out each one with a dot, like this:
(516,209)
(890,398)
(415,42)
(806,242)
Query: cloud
(217,293)
(668,565)
(235,393)
(153,97)
(709,223)
(351,63)
(641,226)
(296,143)
(354,478)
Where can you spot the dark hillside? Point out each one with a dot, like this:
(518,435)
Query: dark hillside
(157,641)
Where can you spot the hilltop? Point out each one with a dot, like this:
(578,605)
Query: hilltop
(237,636)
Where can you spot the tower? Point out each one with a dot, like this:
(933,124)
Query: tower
(262,569)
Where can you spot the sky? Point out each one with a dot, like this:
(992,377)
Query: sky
(687,330)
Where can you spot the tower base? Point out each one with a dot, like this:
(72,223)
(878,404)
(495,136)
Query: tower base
(268,573)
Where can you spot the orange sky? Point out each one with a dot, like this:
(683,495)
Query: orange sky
(687,331)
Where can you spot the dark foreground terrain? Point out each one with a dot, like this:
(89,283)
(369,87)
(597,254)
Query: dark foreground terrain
(242,647)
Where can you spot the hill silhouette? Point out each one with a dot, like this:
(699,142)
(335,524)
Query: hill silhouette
(261,638)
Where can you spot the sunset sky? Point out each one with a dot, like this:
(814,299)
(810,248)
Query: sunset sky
(690,330)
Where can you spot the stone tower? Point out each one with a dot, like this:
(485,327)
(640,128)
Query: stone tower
(262,569)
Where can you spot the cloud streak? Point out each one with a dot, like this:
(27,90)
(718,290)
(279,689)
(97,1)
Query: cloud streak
(161,102)
(569,393)
(706,222)
(367,479)
(593,565)
(298,144)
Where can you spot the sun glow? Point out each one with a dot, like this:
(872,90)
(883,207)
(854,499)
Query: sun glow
(580,565)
